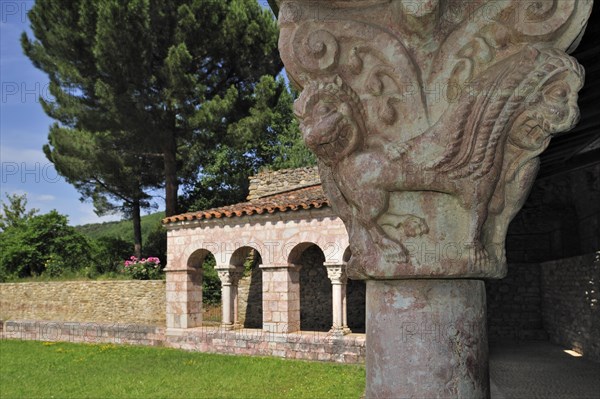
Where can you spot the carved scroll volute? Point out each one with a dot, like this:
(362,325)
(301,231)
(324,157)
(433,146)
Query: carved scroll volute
(427,122)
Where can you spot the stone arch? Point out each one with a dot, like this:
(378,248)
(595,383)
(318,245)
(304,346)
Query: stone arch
(203,261)
(248,301)
(197,258)
(332,246)
(315,287)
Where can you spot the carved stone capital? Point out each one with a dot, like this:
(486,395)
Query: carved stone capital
(428,117)
(227,276)
(336,273)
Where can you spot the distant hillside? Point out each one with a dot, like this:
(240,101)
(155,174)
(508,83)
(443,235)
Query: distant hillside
(122,229)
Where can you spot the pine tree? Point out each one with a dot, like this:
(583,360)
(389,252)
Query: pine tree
(169,76)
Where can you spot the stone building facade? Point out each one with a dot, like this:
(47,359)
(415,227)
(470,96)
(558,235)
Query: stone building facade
(300,283)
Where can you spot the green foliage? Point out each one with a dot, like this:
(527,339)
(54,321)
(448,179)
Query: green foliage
(111,252)
(82,371)
(122,229)
(143,269)
(269,137)
(142,82)
(15,213)
(156,243)
(44,244)
(211,284)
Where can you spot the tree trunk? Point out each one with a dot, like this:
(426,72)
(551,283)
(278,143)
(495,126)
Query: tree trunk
(137,229)
(171,182)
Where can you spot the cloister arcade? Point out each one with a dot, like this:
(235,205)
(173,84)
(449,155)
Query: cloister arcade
(299,283)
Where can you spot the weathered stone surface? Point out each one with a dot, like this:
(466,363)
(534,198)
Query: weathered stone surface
(275,182)
(427,119)
(426,339)
(141,302)
(571,303)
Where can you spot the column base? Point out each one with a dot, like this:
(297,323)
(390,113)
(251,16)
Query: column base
(340,331)
(426,339)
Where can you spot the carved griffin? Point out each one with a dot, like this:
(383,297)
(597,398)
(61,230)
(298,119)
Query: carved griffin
(379,133)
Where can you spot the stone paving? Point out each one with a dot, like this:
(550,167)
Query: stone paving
(541,370)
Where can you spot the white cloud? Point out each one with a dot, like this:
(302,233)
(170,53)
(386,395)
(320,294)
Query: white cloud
(45,198)
(20,155)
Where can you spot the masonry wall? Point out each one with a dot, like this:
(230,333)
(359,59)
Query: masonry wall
(570,303)
(315,292)
(514,305)
(132,301)
(560,219)
(307,346)
(250,308)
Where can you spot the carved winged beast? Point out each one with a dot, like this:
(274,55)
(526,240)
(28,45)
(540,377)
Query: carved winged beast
(519,102)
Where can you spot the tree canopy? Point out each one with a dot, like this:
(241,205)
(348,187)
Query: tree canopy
(152,94)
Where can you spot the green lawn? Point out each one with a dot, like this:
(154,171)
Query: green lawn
(30,369)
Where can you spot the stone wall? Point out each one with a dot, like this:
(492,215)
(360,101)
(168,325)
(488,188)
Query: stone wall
(356,306)
(131,301)
(269,182)
(514,305)
(90,333)
(315,292)
(560,219)
(306,346)
(250,308)
(570,303)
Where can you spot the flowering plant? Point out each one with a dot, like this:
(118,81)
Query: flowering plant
(143,269)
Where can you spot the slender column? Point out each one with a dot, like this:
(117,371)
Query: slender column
(345,307)
(237,275)
(225,275)
(337,275)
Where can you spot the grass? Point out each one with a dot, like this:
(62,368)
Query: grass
(31,369)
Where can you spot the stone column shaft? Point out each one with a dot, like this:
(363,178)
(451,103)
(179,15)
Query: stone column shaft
(337,275)
(426,339)
(226,277)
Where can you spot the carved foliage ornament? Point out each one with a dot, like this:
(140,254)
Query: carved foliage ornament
(427,118)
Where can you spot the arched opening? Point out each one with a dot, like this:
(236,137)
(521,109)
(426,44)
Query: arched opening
(184,292)
(248,302)
(211,291)
(356,292)
(315,290)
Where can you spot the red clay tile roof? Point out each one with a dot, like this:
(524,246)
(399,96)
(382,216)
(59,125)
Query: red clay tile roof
(303,198)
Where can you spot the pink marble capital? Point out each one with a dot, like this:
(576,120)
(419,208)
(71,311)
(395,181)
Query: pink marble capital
(428,117)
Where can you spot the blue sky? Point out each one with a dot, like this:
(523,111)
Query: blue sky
(24,127)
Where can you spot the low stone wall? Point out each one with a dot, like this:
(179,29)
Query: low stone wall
(130,301)
(570,303)
(305,345)
(91,333)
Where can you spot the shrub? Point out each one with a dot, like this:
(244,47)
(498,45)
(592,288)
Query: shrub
(143,269)
(43,244)
(110,254)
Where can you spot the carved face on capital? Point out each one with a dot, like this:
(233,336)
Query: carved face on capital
(553,110)
(328,120)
